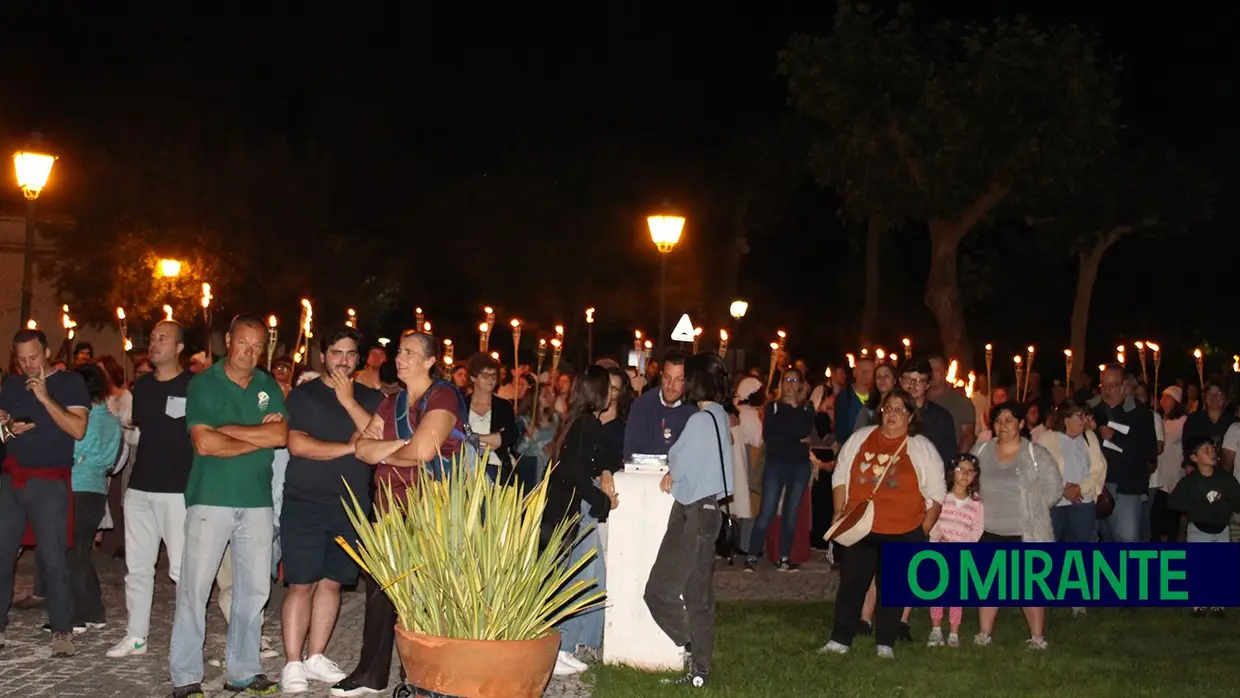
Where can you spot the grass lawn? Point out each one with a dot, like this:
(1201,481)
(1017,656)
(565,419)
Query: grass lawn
(767,648)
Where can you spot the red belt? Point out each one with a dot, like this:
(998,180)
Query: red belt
(21,476)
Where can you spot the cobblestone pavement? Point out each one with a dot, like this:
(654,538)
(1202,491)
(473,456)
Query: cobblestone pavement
(28,669)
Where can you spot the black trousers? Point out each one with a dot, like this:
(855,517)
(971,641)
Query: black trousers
(680,592)
(378,639)
(88,508)
(862,564)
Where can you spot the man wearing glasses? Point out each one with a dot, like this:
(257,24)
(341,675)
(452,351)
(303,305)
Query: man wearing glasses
(658,416)
(937,424)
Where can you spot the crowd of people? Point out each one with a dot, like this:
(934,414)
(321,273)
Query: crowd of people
(238,469)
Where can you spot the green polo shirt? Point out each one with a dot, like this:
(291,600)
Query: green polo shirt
(215,400)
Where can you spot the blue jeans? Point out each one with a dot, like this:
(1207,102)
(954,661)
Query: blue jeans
(586,628)
(208,531)
(1075,523)
(1147,512)
(279,466)
(790,480)
(45,505)
(1124,523)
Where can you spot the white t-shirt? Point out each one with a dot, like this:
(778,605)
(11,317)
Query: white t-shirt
(481,424)
(1160,435)
(1231,442)
(1171,460)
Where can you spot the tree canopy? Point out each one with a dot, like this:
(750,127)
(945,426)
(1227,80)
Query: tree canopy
(945,123)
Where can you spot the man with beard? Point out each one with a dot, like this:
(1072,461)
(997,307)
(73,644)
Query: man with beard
(235,417)
(43,411)
(326,416)
(155,500)
(658,416)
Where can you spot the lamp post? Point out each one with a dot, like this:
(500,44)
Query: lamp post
(737,310)
(665,233)
(33,169)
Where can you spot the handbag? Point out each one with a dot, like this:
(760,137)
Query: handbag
(856,523)
(725,544)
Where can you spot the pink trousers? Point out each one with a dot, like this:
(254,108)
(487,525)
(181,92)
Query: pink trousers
(954,615)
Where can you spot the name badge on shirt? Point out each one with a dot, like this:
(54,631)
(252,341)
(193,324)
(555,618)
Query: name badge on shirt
(175,408)
(667,433)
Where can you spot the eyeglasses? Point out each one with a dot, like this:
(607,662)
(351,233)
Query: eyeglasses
(898,410)
(792,379)
(488,376)
(913,380)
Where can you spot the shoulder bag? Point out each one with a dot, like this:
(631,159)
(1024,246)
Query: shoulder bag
(856,523)
(725,544)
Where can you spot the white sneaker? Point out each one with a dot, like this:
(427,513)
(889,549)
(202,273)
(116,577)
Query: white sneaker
(571,659)
(563,668)
(833,647)
(293,678)
(936,638)
(128,647)
(885,652)
(982,639)
(320,668)
(266,651)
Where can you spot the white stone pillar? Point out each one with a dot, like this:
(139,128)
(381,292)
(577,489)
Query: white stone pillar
(636,529)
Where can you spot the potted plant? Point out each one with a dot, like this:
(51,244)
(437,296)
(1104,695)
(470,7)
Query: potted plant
(477,600)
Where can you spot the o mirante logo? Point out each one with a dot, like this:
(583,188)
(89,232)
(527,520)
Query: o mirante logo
(1050,574)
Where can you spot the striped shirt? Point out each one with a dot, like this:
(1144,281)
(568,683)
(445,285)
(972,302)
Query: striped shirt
(961,521)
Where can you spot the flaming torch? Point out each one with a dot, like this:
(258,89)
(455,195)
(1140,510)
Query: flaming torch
(516,349)
(1067,361)
(206,304)
(908,348)
(697,338)
(167,312)
(542,354)
(1016,361)
(556,347)
(1141,355)
(723,343)
(770,376)
(419,318)
(352,321)
(990,360)
(484,336)
(272,336)
(448,353)
(1024,393)
(1201,368)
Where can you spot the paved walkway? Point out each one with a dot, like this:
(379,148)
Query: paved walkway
(27,668)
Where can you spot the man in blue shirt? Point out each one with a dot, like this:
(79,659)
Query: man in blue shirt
(657,417)
(44,412)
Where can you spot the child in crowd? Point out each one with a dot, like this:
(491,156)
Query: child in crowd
(961,521)
(1207,498)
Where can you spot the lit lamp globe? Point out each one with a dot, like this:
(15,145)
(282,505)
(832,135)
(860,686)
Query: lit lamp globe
(33,169)
(169,268)
(665,231)
(738,309)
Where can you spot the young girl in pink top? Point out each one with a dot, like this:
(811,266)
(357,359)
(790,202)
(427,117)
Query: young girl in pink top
(960,522)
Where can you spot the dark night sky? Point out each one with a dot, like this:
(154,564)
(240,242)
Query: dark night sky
(461,93)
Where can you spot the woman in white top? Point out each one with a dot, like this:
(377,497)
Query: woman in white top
(746,442)
(1083,468)
(1164,522)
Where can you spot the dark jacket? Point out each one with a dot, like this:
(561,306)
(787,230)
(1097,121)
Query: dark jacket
(938,426)
(784,429)
(1129,470)
(583,456)
(504,422)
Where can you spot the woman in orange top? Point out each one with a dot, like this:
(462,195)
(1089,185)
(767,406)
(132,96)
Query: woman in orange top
(906,505)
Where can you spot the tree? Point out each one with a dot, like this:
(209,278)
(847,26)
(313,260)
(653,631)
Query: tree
(1128,195)
(945,124)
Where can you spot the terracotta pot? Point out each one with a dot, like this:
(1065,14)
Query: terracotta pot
(478,668)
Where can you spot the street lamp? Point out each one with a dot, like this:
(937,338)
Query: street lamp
(169,268)
(665,233)
(33,169)
(738,309)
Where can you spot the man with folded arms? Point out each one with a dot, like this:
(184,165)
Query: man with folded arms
(235,417)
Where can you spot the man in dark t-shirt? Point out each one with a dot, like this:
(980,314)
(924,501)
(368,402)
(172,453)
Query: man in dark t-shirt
(155,500)
(326,415)
(45,411)
(936,422)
